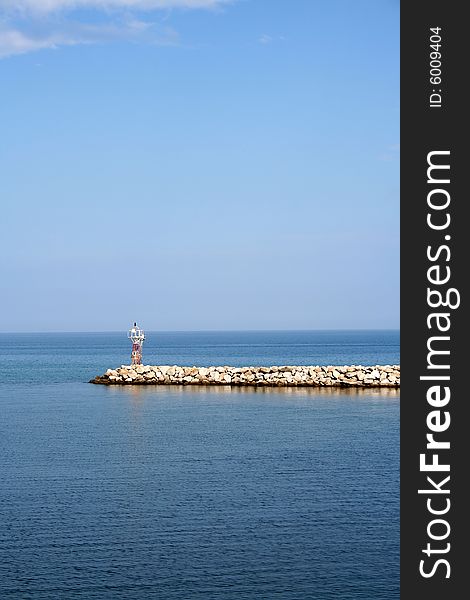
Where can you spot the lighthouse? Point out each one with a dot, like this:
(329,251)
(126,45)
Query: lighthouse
(137,337)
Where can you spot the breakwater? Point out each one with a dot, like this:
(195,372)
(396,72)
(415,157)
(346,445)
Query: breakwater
(281,376)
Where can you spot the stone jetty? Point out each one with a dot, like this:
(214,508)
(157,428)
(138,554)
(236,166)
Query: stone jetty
(278,376)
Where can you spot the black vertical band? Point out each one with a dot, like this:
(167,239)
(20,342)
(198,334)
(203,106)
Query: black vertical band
(434,275)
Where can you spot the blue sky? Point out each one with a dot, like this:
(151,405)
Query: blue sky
(197,164)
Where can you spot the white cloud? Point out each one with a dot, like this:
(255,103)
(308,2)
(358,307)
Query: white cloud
(265,39)
(15,41)
(30,25)
(269,39)
(48,6)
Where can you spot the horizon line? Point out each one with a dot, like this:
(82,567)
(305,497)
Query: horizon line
(206,330)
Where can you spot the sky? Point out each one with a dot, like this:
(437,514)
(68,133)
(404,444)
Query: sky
(199,164)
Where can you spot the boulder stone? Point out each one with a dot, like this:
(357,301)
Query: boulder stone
(284,375)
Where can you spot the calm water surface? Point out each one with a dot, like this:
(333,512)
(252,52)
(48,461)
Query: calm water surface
(59,357)
(193,493)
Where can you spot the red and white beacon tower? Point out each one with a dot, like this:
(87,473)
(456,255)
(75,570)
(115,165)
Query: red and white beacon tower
(137,336)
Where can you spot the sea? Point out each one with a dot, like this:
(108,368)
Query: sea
(196,493)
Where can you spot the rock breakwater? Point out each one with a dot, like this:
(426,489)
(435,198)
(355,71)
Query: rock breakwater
(281,376)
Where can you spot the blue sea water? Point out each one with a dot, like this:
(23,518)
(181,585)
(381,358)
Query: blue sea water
(176,493)
(59,357)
